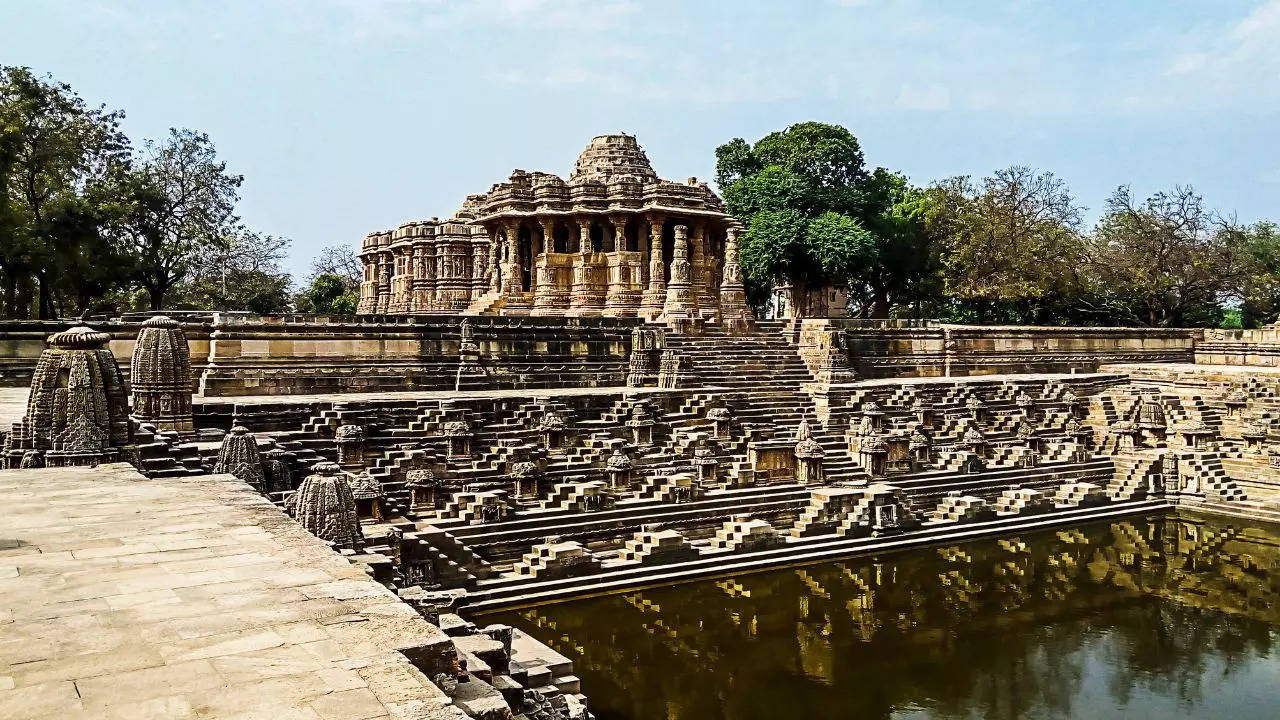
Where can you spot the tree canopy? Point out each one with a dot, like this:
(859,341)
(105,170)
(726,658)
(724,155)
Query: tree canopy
(816,216)
(88,223)
(1009,247)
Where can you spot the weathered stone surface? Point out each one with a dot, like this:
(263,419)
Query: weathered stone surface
(105,617)
(76,411)
(160,375)
(325,505)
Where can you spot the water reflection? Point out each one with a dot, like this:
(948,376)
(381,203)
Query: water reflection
(1141,618)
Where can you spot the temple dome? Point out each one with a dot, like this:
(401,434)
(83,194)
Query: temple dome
(609,158)
(79,338)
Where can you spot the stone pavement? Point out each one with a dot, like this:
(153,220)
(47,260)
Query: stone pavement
(122,597)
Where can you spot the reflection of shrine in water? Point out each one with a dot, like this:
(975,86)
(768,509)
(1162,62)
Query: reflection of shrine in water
(1147,617)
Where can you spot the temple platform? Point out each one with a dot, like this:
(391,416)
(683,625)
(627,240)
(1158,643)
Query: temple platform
(123,597)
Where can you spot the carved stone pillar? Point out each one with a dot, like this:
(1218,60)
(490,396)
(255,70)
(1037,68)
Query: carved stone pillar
(418,302)
(681,302)
(698,258)
(551,296)
(402,281)
(495,255)
(656,295)
(622,297)
(734,314)
(580,291)
(511,265)
(371,260)
(479,265)
(385,263)
(425,283)
(587,298)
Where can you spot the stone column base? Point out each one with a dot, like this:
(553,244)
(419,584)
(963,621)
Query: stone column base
(550,301)
(621,303)
(652,303)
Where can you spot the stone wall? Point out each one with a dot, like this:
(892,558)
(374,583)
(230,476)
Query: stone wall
(21,342)
(909,349)
(1260,347)
(236,355)
(302,355)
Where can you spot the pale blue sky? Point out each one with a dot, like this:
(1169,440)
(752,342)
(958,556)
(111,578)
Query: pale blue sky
(347,116)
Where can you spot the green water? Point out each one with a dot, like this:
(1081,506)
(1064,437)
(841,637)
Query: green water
(1155,618)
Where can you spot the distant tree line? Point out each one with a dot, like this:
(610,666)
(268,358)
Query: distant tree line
(89,222)
(1012,247)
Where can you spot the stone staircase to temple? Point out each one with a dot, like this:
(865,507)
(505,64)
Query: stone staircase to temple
(766,362)
(490,303)
(761,359)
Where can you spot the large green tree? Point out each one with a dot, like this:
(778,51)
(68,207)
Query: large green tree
(905,277)
(182,206)
(816,216)
(54,150)
(799,193)
(1169,261)
(1261,296)
(1011,243)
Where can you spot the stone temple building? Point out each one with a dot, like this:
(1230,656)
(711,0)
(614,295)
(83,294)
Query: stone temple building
(612,240)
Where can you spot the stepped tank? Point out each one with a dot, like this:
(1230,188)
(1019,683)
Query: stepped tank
(1142,617)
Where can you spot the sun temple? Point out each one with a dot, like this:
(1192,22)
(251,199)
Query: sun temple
(613,240)
(557,393)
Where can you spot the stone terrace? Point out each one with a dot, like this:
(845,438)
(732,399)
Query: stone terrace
(123,597)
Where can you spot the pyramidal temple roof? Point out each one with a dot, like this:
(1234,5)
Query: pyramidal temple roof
(610,157)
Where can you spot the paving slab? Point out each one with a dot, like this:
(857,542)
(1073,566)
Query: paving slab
(123,597)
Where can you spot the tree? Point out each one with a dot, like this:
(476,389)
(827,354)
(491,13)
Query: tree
(1168,261)
(342,261)
(798,191)
(52,147)
(182,204)
(242,273)
(1261,301)
(334,285)
(906,270)
(90,257)
(1014,239)
(328,294)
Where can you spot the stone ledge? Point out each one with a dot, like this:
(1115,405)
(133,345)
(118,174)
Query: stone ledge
(180,598)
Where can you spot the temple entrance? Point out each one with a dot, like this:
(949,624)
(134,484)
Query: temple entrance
(633,237)
(560,239)
(597,238)
(525,257)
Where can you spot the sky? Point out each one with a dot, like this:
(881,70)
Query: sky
(348,116)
